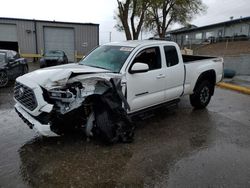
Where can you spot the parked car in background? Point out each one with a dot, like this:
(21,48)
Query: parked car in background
(52,58)
(11,66)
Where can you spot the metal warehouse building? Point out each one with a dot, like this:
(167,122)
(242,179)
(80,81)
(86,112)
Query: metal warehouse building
(32,37)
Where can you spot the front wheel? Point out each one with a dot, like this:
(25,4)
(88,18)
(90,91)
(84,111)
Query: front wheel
(112,126)
(202,95)
(4,79)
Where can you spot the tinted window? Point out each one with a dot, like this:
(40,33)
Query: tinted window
(171,55)
(13,54)
(2,57)
(150,56)
(17,55)
(53,54)
(9,54)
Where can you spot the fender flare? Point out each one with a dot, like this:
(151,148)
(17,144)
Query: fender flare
(209,75)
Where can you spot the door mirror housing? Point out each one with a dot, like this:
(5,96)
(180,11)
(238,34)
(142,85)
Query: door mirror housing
(139,68)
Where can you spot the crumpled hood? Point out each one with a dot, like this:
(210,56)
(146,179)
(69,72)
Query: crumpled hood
(59,75)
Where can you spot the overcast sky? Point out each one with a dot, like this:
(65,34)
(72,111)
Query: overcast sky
(102,12)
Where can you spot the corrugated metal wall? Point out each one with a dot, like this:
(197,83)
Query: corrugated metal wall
(86,35)
(60,38)
(8,32)
(26,40)
(83,34)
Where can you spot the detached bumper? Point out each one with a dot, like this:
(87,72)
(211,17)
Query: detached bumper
(43,129)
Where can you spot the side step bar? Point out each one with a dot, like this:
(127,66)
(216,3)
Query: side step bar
(168,104)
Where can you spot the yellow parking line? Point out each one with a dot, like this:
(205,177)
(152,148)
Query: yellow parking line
(241,89)
(31,55)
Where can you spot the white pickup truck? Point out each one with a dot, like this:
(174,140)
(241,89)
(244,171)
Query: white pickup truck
(115,81)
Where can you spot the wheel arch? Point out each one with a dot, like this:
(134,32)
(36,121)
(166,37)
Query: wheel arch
(208,75)
(8,78)
(5,71)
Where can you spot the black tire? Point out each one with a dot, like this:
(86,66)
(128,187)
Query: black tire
(4,79)
(202,95)
(105,128)
(111,127)
(42,65)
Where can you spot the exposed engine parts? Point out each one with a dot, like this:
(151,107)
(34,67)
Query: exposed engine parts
(97,107)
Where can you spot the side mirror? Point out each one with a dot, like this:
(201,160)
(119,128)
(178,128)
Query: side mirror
(139,68)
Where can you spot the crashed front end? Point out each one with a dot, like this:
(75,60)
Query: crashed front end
(91,103)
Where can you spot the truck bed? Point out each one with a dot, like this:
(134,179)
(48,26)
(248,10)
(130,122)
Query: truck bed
(194,65)
(191,58)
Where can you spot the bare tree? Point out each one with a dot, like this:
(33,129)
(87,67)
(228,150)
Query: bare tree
(130,17)
(161,13)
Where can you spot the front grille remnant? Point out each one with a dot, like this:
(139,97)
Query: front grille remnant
(25,96)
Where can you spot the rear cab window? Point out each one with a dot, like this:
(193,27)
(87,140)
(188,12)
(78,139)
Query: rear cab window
(171,56)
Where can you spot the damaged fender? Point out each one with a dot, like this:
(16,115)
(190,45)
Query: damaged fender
(103,106)
(78,97)
(112,122)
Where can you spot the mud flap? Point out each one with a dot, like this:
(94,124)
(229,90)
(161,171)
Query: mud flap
(112,122)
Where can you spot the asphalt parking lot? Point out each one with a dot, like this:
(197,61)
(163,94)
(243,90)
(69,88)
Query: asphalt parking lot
(180,147)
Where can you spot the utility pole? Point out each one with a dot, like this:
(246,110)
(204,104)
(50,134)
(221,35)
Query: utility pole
(110,35)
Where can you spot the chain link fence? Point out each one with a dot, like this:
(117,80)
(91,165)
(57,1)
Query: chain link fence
(193,43)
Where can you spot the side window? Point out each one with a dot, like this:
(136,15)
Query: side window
(14,54)
(18,55)
(9,55)
(150,56)
(171,55)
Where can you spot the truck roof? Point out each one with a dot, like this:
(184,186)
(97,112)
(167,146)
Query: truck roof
(136,43)
(5,51)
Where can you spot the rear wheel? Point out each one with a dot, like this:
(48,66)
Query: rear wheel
(202,95)
(3,79)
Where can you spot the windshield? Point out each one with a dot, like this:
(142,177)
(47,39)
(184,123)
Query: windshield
(53,54)
(2,57)
(107,57)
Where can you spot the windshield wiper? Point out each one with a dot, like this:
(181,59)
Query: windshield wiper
(97,67)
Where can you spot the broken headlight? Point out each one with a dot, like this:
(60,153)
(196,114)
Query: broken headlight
(56,94)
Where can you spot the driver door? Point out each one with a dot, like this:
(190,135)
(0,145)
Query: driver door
(147,88)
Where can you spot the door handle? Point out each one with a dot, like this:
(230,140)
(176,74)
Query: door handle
(160,76)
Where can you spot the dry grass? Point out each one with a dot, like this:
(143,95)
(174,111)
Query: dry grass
(223,48)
